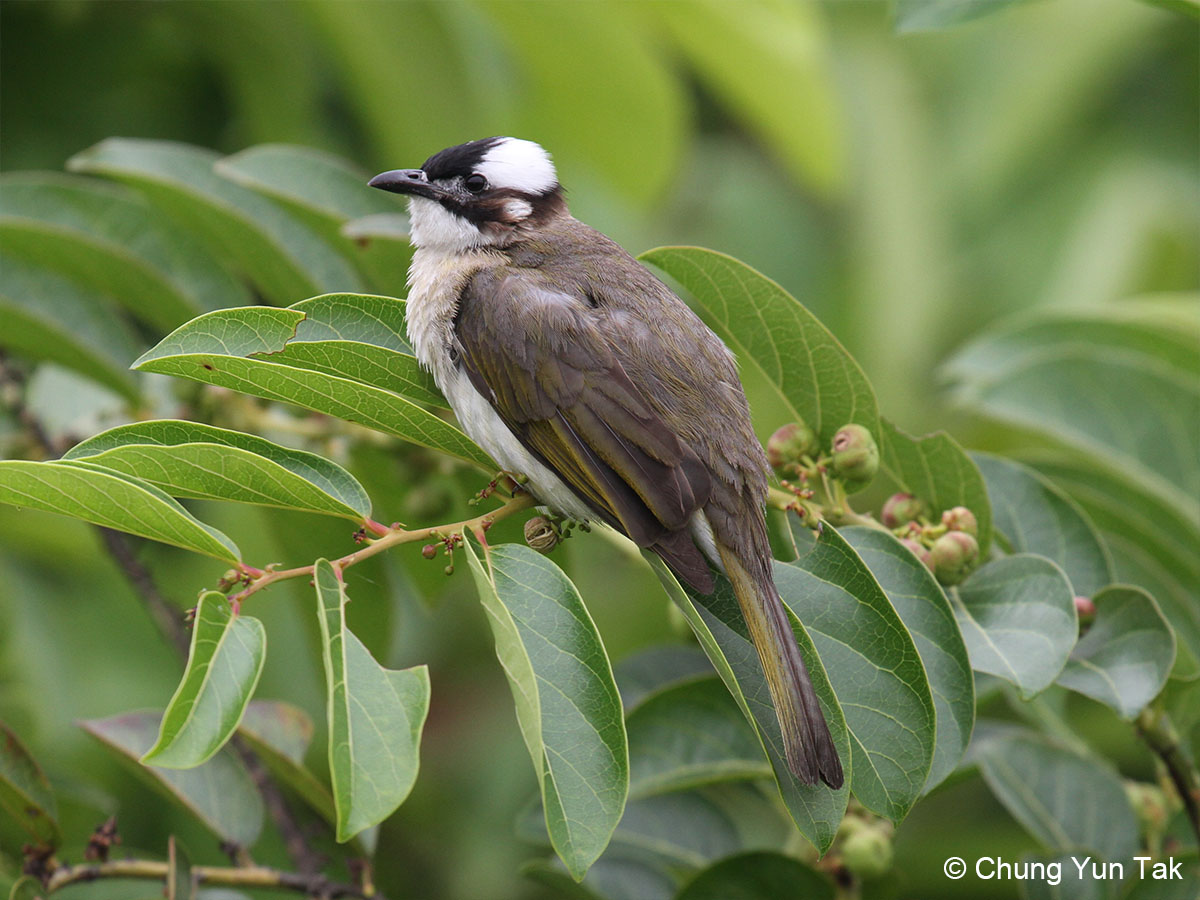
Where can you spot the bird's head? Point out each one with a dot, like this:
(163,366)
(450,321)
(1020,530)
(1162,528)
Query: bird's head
(482,193)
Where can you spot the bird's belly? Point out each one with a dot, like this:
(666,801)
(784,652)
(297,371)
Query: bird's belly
(481,423)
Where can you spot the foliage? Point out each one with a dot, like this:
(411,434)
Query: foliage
(263,284)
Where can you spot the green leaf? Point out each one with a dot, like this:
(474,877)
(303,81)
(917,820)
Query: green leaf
(224,663)
(1065,801)
(361,337)
(219,793)
(770,64)
(718,624)
(1017,616)
(25,794)
(647,672)
(1152,540)
(685,829)
(280,734)
(1184,888)
(324,192)
(1036,517)
(224,348)
(375,717)
(566,700)
(1125,393)
(873,665)
(187,459)
(1070,886)
(1124,659)
(761,875)
(44,315)
(112,500)
(929,15)
(110,241)
(926,613)
(690,734)
(283,258)
(819,381)
(614,876)
(1187,8)
(938,471)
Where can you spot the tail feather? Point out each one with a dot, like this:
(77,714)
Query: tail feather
(807,743)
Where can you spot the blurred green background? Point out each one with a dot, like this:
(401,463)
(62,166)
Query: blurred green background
(909,186)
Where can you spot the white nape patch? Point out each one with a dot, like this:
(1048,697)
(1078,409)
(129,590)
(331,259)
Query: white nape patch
(432,226)
(520,165)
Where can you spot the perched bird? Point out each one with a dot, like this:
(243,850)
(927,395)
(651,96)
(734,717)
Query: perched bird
(569,362)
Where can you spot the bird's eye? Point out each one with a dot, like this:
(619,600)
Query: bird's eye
(475,183)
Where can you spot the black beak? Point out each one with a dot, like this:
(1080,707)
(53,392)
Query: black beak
(407,181)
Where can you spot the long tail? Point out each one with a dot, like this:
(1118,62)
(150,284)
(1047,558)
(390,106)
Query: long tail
(806,741)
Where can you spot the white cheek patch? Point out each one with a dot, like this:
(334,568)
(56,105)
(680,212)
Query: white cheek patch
(520,165)
(432,225)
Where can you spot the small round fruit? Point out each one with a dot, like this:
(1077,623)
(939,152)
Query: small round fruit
(953,555)
(789,443)
(961,519)
(541,535)
(900,508)
(429,551)
(867,852)
(1085,607)
(855,454)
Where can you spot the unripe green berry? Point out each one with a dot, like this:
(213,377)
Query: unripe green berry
(900,508)
(1149,804)
(855,454)
(961,519)
(789,443)
(867,852)
(541,535)
(952,556)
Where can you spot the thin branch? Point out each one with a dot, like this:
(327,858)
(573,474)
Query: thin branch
(395,536)
(242,877)
(1155,728)
(166,617)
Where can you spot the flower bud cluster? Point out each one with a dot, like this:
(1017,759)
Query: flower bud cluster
(950,548)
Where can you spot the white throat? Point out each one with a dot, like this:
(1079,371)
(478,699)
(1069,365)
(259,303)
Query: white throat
(433,227)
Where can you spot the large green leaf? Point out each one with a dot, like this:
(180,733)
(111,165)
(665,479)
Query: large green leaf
(761,875)
(283,257)
(1124,392)
(110,499)
(375,717)
(654,669)
(566,700)
(1017,616)
(44,315)
(1125,657)
(873,665)
(361,337)
(718,624)
(280,734)
(187,459)
(926,613)
(818,380)
(219,793)
(1153,542)
(324,192)
(770,64)
(224,663)
(110,241)
(690,734)
(1065,801)
(938,471)
(235,348)
(25,794)
(1036,517)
